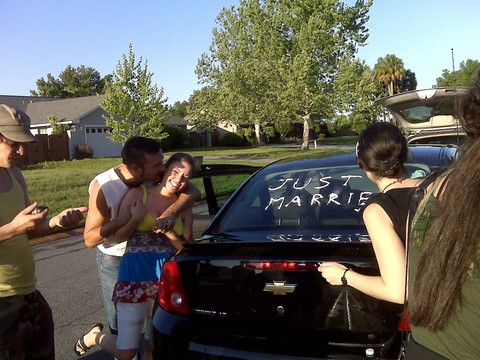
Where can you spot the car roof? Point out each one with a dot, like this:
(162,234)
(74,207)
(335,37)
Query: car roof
(431,155)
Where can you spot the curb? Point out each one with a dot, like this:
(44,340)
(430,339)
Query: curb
(56,236)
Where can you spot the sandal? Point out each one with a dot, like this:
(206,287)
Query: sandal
(80,347)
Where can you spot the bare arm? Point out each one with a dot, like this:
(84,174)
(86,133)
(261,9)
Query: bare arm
(390,253)
(67,218)
(186,199)
(22,223)
(131,203)
(176,240)
(38,224)
(98,225)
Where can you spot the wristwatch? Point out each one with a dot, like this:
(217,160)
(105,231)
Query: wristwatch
(344,279)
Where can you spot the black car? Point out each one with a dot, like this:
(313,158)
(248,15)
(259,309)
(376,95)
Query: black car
(249,287)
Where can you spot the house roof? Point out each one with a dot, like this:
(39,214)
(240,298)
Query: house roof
(69,110)
(21,102)
(176,121)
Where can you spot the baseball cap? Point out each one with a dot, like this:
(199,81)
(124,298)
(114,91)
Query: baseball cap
(15,125)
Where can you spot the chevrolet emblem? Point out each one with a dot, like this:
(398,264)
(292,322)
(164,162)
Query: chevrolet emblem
(279,287)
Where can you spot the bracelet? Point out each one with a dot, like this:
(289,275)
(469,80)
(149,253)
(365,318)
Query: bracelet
(344,279)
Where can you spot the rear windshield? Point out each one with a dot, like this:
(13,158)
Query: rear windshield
(307,201)
(443,113)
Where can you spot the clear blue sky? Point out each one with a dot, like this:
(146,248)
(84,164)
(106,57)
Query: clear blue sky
(41,37)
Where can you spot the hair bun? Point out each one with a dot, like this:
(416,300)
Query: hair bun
(391,164)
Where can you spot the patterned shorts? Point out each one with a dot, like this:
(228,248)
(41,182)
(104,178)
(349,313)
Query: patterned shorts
(26,330)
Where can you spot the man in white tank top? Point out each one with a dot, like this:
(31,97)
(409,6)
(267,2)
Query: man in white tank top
(142,162)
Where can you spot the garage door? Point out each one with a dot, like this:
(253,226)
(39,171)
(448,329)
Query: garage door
(102,146)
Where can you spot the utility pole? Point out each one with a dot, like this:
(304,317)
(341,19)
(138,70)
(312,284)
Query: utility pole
(453,70)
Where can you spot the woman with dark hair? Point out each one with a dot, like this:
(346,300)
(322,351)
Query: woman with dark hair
(382,152)
(444,256)
(140,268)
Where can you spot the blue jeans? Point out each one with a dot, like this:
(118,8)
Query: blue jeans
(108,266)
(108,272)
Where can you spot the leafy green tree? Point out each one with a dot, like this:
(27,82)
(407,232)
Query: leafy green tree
(56,124)
(464,76)
(389,70)
(134,105)
(72,82)
(356,90)
(274,61)
(319,36)
(242,64)
(409,82)
(178,109)
(204,109)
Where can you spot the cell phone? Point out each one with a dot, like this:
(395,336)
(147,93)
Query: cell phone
(39,209)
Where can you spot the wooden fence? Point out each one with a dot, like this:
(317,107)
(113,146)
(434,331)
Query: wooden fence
(48,148)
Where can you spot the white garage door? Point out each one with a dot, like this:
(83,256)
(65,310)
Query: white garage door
(102,146)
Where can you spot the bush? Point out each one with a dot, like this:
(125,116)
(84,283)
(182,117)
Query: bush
(178,138)
(233,139)
(83,151)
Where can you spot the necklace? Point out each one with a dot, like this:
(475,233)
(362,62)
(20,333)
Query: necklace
(390,184)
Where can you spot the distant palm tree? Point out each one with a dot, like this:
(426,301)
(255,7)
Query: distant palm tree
(389,70)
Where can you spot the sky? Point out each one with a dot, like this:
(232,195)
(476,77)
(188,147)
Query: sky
(41,37)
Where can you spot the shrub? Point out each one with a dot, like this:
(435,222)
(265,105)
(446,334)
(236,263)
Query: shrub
(178,138)
(233,139)
(249,134)
(83,151)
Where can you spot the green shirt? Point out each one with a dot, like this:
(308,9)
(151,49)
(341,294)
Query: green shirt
(460,339)
(17,266)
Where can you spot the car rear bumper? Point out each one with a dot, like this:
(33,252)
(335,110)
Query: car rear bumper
(173,339)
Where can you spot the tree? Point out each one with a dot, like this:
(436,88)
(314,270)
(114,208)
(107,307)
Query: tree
(276,61)
(320,35)
(134,105)
(205,109)
(72,82)
(56,124)
(356,90)
(389,70)
(242,66)
(464,76)
(409,81)
(178,109)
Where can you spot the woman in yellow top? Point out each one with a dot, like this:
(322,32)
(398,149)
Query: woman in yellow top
(146,251)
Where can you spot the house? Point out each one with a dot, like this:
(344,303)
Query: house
(84,116)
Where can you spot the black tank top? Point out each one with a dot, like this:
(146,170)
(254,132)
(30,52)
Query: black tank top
(396,203)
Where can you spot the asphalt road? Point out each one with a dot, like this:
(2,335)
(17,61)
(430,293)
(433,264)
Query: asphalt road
(67,277)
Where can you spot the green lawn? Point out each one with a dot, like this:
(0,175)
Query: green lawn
(62,184)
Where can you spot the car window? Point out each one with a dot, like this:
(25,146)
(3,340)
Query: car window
(308,200)
(437,140)
(441,113)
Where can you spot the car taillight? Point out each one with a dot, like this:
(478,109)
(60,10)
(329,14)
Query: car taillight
(281,265)
(171,296)
(404,323)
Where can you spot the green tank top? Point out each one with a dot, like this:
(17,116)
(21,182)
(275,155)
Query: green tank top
(17,265)
(461,337)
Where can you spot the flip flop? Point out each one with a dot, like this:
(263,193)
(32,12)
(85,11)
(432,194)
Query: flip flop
(80,347)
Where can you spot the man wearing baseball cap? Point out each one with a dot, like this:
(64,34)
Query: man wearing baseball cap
(26,330)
